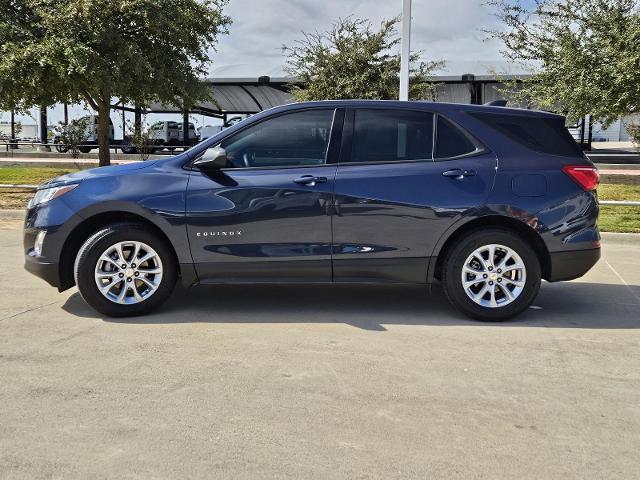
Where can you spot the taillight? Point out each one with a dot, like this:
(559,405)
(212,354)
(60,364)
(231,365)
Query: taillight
(587,177)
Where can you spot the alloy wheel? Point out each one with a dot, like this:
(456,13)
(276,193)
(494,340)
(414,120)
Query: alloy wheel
(493,276)
(128,272)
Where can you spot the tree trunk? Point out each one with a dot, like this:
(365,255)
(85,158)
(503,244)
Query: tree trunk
(13,130)
(185,129)
(137,121)
(104,154)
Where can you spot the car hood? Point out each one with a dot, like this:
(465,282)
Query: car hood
(113,170)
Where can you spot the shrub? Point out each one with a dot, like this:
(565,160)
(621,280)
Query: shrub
(73,136)
(634,133)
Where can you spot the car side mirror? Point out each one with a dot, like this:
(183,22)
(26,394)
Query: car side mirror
(212,158)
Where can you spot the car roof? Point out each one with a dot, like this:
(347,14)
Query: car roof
(420,105)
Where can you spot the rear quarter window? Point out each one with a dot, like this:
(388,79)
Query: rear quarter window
(451,141)
(541,134)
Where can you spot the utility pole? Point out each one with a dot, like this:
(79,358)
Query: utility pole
(406,50)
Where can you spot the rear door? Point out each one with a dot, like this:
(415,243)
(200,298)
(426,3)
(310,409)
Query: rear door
(397,191)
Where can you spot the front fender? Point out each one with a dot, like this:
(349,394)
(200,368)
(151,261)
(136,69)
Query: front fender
(158,195)
(170,223)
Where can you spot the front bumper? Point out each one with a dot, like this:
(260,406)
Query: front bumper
(58,221)
(572,264)
(47,271)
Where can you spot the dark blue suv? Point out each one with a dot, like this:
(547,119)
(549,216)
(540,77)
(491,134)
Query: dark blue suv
(486,200)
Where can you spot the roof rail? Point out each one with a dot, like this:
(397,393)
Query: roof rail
(496,103)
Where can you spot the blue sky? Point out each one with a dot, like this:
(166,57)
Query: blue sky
(442,29)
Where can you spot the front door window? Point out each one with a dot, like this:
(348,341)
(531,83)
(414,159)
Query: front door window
(291,140)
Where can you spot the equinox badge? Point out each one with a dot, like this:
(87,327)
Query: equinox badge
(230,233)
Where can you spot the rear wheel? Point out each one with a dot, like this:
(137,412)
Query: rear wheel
(491,275)
(84,149)
(124,270)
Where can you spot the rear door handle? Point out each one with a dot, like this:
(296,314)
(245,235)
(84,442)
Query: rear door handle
(310,180)
(458,173)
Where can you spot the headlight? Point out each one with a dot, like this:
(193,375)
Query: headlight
(46,194)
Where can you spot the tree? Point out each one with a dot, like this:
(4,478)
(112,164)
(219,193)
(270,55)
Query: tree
(634,133)
(141,140)
(353,61)
(91,50)
(584,54)
(72,136)
(17,128)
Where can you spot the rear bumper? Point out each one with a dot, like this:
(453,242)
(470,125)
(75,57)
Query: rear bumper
(573,264)
(47,271)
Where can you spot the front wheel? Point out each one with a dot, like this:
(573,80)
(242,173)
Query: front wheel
(491,275)
(124,270)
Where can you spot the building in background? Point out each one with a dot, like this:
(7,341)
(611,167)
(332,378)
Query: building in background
(239,91)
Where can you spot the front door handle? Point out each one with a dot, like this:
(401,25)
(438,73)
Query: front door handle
(458,173)
(310,180)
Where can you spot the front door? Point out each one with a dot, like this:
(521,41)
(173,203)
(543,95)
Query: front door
(266,217)
(393,200)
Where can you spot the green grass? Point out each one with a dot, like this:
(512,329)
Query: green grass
(619,219)
(31,175)
(612,219)
(18,198)
(616,191)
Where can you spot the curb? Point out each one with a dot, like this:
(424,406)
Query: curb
(52,163)
(87,157)
(614,238)
(13,214)
(618,166)
(620,178)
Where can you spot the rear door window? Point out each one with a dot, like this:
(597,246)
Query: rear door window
(542,134)
(391,136)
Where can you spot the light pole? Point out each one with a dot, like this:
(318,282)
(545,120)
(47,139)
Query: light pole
(405,50)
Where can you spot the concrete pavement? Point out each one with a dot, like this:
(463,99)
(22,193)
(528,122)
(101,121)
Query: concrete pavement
(321,382)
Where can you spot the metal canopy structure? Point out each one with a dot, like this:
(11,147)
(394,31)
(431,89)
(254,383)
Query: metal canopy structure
(237,96)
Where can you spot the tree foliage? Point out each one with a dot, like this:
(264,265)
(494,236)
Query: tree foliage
(352,60)
(584,54)
(137,50)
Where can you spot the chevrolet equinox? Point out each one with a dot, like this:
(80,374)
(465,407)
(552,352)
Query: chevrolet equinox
(487,201)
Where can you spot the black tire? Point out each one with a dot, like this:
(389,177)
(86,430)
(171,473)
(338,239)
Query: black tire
(100,241)
(455,260)
(84,149)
